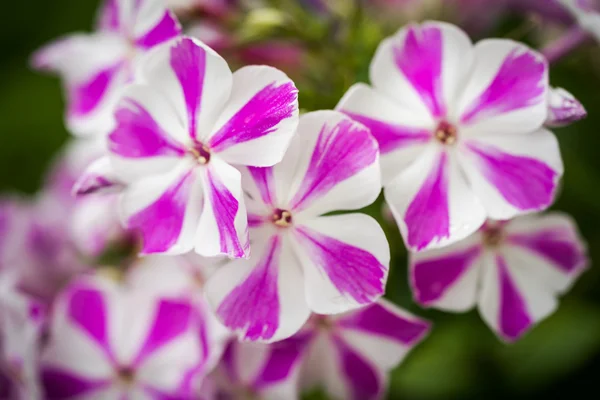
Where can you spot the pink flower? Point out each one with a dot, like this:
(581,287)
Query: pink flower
(460,130)
(303,261)
(178,132)
(107,341)
(350,355)
(95,67)
(512,271)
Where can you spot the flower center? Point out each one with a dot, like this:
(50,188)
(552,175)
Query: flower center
(492,234)
(126,375)
(201,153)
(282,218)
(446,133)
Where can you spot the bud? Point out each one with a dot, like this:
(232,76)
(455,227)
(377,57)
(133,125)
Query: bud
(563,108)
(261,22)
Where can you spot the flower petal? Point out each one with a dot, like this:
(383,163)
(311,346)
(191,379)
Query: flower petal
(99,176)
(223,227)
(259,119)
(165,210)
(507,89)
(193,79)
(345,260)
(261,298)
(447,278)
(513,174)
(432,203)
(398,130)
(154,24)
(60,384)
(336,167)
(563,108)
(512,299)
(423,66)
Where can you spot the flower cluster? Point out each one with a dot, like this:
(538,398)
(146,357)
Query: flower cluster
(200,238)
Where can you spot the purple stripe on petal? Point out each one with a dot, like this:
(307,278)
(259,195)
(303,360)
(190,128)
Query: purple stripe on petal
(161,222)
(228,360)
(391,137)
(428,217)
(256,220)
(432,278)
(156,394)
(63,385)
(284,356)
(137,135)
(559,246)
(519,83)
(166,29)
(172,319)
(258,117)
(88,310)
(188,61)
(85,97)
(353,271)
(360,376)
(225,208)
(253,306)
(525,183)
(109,16)
(263,178)
(514,319)
(420,60)
(379,320)
(341,151)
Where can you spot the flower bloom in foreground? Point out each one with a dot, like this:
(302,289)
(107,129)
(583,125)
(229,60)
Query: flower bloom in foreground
(113,343)
(350,355)
(459,129)
(301,260)
(178,132)
(513,271)
(94,67)
(563,108)
(259,371)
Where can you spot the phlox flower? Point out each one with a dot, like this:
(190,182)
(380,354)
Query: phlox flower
(350,355)
(563,108)
(21,323)
(259,371)
(512,271)
(179,129)
(460,130)
(586,13)
(108,341)
(303,261)
(94,67)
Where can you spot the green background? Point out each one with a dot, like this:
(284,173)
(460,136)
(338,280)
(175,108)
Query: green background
(461,358)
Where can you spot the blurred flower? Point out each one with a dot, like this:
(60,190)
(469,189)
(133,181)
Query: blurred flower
(178,132)
(259,371)
(513,271)
(21,322)
(563,108)
(111,342)
(460,131)
(301,260)
(94,67)
(214,7)
(350,355)
(587,14)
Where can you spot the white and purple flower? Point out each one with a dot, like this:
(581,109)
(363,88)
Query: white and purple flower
(512,271)
(460,130)
(259,371)
(303,261)
(563,108)
(95,67)
(178,132)
(350,355)
(109,342)
(586,13)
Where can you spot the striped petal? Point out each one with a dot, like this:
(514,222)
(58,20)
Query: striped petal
(345,259)
(259,119)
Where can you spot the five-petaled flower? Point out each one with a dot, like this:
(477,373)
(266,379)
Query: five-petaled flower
(301,260)
(513,271)
(95,67)
(108,341)
(349,355)
(178,132)
(460,131)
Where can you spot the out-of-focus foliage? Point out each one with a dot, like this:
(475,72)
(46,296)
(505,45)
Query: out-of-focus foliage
(461,358)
